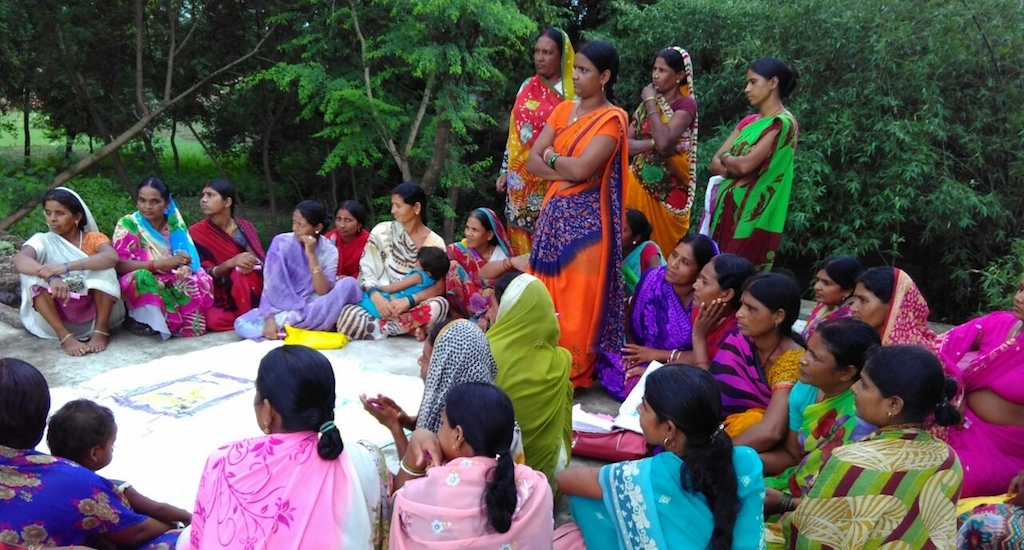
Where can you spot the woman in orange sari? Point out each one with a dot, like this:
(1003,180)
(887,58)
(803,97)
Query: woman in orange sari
(662,175)
(577,252)
(537,98)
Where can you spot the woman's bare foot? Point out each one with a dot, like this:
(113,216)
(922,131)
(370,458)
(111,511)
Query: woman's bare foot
(99,340)
(420,334)
(72,346)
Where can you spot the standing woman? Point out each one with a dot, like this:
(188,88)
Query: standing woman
(164,287)
(231,254)
(833,290)
(662,175)
(537,98)
(72,257)
(757,163)
(350,236)
(577,252)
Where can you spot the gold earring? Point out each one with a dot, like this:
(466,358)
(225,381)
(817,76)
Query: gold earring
(266,428)
(665,443)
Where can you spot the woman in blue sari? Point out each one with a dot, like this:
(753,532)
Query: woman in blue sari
(701,493)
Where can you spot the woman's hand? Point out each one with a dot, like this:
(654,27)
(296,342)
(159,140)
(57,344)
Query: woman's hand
(1017,489)
(521,263)
(270,329)
(244,262)
(708,317)
(183,272)
(46,271)
(309,244)
(59,290)
(634,354)
(398,306)
(648,93)
(501,184)
(386,411)
(424,450)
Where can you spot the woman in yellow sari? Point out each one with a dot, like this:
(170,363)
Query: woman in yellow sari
(577,252)
(662,174)
(537,98)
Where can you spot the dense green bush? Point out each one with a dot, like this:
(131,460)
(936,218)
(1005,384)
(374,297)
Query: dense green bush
(910,115)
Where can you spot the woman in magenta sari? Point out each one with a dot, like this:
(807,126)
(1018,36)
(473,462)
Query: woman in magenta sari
(985,357)
(477,260)
(231,253)
(301,287)
(164,288)
(658,324)
(298,486)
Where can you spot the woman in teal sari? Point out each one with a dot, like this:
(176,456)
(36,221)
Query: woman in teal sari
(757,163)
(701,493)
(639,252)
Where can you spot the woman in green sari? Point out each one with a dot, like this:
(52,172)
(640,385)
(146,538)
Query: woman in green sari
(532,369)
(757,164)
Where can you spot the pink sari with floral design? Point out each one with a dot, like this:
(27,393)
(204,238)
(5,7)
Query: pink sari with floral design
(274,492)
(907,320)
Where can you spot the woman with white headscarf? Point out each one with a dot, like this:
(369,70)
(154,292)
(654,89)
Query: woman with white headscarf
(69,290)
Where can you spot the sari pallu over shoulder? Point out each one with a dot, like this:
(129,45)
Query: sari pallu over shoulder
(577,250)
(750,211)
(234,293)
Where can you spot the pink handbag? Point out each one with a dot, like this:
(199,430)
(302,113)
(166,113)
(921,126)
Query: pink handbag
(614,447)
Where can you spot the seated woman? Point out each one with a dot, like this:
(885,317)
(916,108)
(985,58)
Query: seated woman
(533,369)
(716,293)
(701,493)
(164,287)
(350,236)
(996,526)
(757,367)
(301,287)
(887,299)
(984,355)
(460,488)
(388,257)
(658,319)
(299,486)
(639,252)
(72,258)
(821,409)
(833,290)
(898,487)
(231,253)
(49,501)
(455,353)
(477,260)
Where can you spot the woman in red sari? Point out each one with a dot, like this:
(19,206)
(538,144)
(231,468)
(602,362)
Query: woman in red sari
(231,253)
(350,236)
(577,252)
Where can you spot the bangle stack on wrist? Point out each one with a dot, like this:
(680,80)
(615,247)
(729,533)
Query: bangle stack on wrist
(551,161)
(410,470)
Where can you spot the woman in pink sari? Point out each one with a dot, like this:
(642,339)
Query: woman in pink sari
(985,357)
(461,489)
(299,486)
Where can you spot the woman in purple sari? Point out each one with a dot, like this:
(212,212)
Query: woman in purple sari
(658,326)
(300,284)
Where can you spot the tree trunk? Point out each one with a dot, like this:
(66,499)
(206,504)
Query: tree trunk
(27,125)
(437,157)
(174,143)
(69,143)
(267,177)
(154,160)
(332,177)
(448,229)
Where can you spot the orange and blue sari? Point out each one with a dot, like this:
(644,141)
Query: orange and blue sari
(577,250)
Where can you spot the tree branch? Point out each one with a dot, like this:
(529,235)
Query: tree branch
(427,92)
(188,36)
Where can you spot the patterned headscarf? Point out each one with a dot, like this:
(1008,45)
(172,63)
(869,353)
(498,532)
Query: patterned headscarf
(568,56)
(907,319)
(461,355)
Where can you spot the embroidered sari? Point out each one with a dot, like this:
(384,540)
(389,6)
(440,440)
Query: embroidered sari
(534,372)
(468,293)
(288,292)
(536,99)
(894,489)
(980,357)
(991,527)
(160,300)
(645,507)
(658,320)
(750,211)
(274,491)
(822,313)
(50,501)
(389,255)
(79,315)
(822,426)
(577,249)
(444,510)
(663,187)
(746,385)
(907,319)
(349,253)
(233,292)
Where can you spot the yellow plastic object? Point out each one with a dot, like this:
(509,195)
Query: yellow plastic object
(315,339)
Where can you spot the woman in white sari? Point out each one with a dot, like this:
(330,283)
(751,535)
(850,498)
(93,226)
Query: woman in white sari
(69,290)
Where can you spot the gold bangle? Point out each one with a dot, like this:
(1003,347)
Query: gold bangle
(316,269)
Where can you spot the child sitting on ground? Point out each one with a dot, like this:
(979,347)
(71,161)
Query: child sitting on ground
(84,432)
(431,266)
